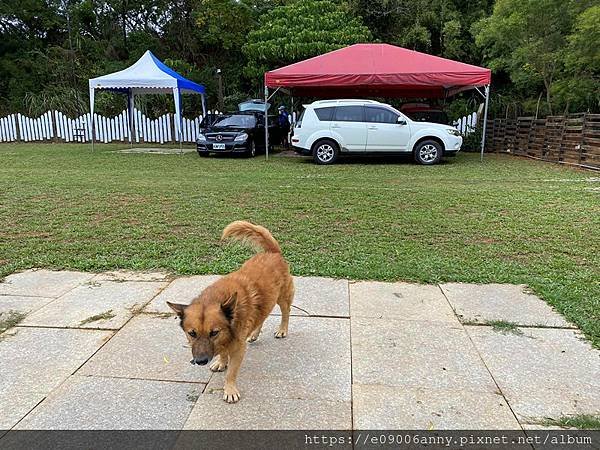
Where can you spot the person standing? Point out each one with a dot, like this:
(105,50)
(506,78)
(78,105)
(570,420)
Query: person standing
(283,121)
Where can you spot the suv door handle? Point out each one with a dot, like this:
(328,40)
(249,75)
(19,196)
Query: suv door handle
(335,125)
(372,127)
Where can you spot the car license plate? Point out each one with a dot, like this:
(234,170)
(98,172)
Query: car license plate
(218,146)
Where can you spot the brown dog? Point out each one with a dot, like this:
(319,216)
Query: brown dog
(231,311)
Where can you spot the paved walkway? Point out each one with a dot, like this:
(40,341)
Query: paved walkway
(104,351)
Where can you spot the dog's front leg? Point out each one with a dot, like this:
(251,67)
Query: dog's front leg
(219,364)
(230,392)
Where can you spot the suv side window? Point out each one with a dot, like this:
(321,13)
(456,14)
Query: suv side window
(380,115)
(325,114)
(349,114)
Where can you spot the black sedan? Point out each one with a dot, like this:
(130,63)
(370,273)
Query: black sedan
(238,133)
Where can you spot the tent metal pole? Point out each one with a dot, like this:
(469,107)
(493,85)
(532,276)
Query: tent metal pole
(485,114)
(130,106)
(266,123)
(178,120)
(92,92)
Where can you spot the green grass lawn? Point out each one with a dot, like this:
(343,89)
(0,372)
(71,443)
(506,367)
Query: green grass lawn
(507,220)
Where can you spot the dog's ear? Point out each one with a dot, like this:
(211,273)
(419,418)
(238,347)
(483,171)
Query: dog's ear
(228,306)
(178,308)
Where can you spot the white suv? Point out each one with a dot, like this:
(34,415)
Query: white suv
(328,128)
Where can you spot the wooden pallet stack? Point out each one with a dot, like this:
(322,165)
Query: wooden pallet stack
(590,147)
(572,139)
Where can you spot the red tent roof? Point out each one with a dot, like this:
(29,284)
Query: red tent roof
(378,70)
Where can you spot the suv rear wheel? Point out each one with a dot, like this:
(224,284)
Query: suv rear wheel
(325,152)
(428,152)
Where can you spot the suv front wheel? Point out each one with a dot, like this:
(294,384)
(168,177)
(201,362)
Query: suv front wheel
(325,151)
(428,152)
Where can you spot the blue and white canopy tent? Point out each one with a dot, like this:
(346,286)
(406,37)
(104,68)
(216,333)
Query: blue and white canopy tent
(148,75)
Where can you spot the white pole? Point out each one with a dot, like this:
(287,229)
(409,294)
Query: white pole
(485,114)
(92,115)
(178,121)
(130,108)
(266,123)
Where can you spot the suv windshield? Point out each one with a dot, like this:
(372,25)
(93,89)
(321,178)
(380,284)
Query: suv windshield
(236,121)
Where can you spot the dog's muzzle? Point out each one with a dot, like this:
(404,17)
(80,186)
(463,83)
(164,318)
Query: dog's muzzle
(201,361)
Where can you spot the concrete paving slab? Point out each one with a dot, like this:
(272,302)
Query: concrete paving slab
(312,363)
(35,361)
(416,354)
(42,283)
(128,275)
(481,303)
(392,408)
(543,373)
(114,404)
(101,304)
(322,296)
(404,301)
(16,404)
(181,290)
(149,347)
(22,304)
(255,411)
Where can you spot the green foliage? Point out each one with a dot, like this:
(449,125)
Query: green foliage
(472,141)
(441,27)
(531,42)
(579,421)
(580,86)
(300,30)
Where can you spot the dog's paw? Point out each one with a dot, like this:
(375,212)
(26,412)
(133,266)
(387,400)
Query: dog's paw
(231,394)
(252,338)
(217,365)
(280,334)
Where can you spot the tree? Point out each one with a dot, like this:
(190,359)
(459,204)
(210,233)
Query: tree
(439,27)
(579,86)
(300,30)
(527,39)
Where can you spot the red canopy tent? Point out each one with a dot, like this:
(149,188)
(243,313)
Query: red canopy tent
(379,70)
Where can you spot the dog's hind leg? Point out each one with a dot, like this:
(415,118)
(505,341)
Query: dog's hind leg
(285,305)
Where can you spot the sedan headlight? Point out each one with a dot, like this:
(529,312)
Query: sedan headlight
(241,137)
(453,131)
(201,138)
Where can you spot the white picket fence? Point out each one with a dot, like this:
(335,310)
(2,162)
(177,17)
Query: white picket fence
(466,124)
(54,125)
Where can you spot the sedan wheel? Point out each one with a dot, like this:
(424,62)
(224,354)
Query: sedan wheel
(252,152)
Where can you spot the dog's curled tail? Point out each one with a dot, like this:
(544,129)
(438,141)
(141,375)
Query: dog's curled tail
(255,234)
